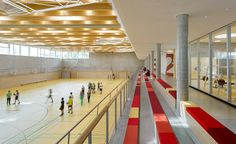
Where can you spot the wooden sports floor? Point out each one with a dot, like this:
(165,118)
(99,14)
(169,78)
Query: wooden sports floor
(37,122)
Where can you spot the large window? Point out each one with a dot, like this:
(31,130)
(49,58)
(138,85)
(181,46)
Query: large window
(4,48)
(24,50)
(20,50)
(33,52)
(16,50)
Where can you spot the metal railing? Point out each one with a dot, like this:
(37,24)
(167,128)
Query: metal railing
(121,92)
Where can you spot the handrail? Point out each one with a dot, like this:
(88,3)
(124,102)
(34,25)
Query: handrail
(93,124)
(96,107)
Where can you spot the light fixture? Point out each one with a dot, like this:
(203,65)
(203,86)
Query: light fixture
(224,36)
(87,22)
(53,31)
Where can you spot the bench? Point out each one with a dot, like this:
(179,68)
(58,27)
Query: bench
(164,130)
(206,128)
(168,92)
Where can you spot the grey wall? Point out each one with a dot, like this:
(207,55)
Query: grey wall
(105,62)
(18,65)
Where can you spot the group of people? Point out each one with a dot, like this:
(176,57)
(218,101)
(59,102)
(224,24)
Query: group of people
(91,89)
(9,95)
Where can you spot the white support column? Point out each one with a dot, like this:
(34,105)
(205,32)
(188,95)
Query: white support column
(152,61)
(149,61)
(229,63)
(158,61)
(182,59)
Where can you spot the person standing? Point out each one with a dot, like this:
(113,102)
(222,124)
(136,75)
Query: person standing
(82,97)
(100,87)
(83,89)
(89,95)
(17,97)
(62,106)
(70,105)
(71,94)
(8,95)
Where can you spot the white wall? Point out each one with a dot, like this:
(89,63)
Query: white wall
(100,65)
(105,62)
(20,65)
(19,70)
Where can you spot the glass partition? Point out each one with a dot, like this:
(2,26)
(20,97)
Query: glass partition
(204,64)
(219,64)
(215,53)
(193,54)
(233,62)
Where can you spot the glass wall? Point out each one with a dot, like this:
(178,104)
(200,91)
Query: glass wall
(193,54)
(213,63)
(21,50)
(203,49)
(219,63)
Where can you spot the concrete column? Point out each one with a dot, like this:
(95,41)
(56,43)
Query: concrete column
(158,61)
(182,59)
(152,60)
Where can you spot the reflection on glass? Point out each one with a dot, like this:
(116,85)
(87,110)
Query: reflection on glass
(204,64)
(219,61)
(233,62)
(194,64)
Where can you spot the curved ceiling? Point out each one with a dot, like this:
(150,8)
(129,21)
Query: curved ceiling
(148,22)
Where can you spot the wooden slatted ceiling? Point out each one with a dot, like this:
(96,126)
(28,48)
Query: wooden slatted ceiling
(74,28)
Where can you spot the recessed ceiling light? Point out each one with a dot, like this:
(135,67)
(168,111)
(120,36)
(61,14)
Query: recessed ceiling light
(86,29)
(109,22)
(53,31)
(89,12)
(66,18)
(224,36)
(106,31)
(87,22)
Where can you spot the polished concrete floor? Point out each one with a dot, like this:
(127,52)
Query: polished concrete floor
(223,112)
(37,122)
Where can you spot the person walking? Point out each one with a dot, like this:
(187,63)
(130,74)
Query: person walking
(50,96)
(93,88)
(17,97)
(81,97)
(62,106)
(70,105)
(8,95)
(89,95)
